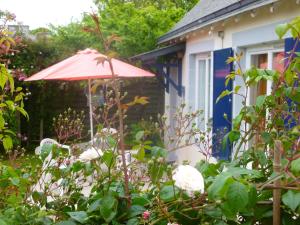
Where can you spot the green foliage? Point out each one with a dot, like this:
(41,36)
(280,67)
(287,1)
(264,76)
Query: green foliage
(138,27)
(108,208)
(138,24)
(271,119)
(168,193)
(79,216)
(11,97)
(291,199)
(144,130)
(237,196)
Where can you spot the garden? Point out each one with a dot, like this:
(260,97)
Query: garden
(122,176)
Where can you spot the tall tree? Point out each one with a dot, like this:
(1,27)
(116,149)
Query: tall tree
(138,24)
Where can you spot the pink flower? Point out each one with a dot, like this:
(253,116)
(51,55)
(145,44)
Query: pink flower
(146,215)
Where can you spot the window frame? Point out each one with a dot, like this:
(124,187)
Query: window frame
(208,107)
(270,53)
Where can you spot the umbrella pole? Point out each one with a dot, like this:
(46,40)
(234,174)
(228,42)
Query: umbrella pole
(91,111)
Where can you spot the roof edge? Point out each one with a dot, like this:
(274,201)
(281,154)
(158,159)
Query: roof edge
(159,52)
(221,14)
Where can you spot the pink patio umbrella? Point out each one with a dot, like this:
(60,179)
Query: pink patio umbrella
(84,66)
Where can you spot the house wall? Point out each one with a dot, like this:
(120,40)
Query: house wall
(241,35)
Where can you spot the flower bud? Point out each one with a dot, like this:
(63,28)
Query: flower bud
(146,215)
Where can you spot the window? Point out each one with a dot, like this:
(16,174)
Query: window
(268,59)
(202,96)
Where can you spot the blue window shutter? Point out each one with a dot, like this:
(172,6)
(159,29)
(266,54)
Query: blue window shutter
(221,126)
(289,44)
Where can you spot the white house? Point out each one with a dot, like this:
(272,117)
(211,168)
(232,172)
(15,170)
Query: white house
(192,61)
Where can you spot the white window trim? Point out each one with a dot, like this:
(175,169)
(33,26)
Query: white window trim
(208,91)
(256,51)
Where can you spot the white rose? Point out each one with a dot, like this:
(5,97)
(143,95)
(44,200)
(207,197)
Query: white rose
(189,179)
(90,154)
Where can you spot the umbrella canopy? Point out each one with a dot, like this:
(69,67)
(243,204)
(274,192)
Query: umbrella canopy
(84,66)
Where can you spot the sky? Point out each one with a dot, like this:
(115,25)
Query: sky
(40,13)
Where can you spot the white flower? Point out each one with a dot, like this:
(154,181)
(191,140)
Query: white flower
(189,179)
(213,160)
(90,154)
(109,131)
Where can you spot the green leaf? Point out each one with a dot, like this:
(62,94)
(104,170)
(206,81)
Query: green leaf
(45,150)
(252,197)
(219,187)
(295,166)
(266,137)
(159,152)
(237,196)
(225,141)
(281,30)
(228,211)
(79,216)
(291,199)
(2,122)
(15,181)
(213,212)
(157,171)
(7,143)
(10,104)
(11,83)
(139,135)
(207,169)
(220,222)
(140,200)
(234,136)
(3,76)
(66,222)
(111,141)
(236,89)
(108,158)
(238,171)
(289,76)
(223,94)
(237,121)
(136,210)
(260,100)
(133,221)
(168,193)
(2,222)
(39,197)
(140,154)
(108,208)
(94,206)
(22,111)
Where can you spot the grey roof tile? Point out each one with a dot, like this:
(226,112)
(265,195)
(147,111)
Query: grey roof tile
(201,9)
(207,10)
